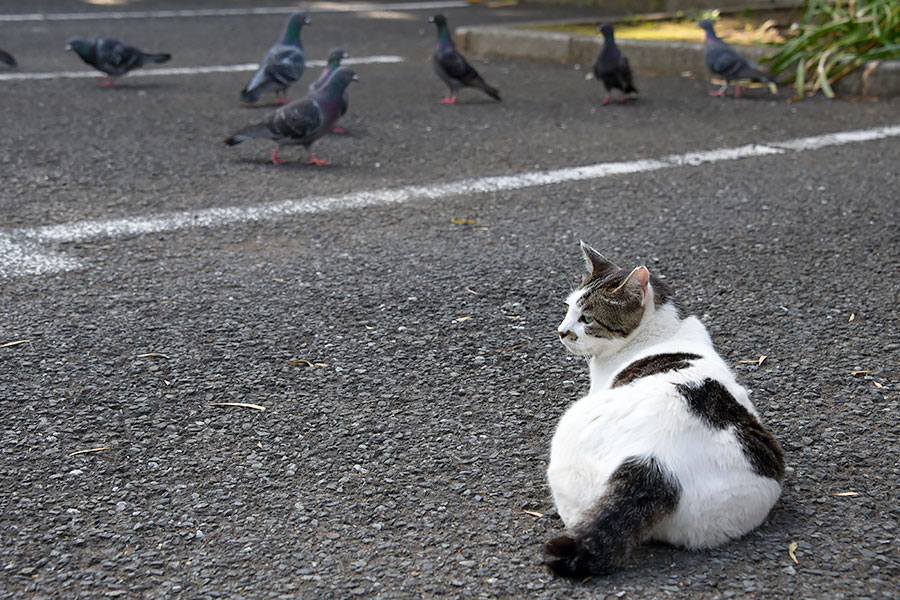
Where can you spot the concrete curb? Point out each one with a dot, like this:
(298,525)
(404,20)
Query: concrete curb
(654,57)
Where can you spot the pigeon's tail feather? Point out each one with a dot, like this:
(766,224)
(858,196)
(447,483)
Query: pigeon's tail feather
(248,95)
(487,89)
(158,58)
(6,58)
(257,130)
(757,74)
(630,89)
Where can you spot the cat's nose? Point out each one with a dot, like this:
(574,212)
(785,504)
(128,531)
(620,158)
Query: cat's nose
(567,334)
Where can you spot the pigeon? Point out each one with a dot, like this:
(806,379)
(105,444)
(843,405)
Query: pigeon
(612,67)
(112,56)
(452,67)
(302,121)
(282,65)
(7,58)
(723,60)
(334,61)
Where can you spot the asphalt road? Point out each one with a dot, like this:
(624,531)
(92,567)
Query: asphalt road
(405,353)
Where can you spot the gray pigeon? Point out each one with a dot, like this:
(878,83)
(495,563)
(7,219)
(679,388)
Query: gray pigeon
(112,56)
(334,61)
(302,121)
(7,58)
(452,68)
(612,67)
(724,61)
(282,65)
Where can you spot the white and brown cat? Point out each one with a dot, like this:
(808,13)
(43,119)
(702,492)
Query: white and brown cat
(666,445)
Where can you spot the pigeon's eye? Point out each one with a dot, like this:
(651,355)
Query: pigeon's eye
(586,319)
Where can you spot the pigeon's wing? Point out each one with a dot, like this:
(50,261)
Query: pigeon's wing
(724,60)
(114,57)
(625,75)
(282,65)
(286,65)
(261,75)
(454,64)
(300,120)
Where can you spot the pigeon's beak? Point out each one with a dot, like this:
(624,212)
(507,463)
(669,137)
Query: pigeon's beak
(431,19)
(68,47)
(306,21)
(345,55)
(356,78)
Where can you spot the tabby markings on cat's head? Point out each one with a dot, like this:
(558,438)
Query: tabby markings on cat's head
(608,305)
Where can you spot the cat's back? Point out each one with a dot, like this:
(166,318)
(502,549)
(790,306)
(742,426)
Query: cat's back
(679,403)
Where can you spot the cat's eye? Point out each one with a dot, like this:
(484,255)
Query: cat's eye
(586,319)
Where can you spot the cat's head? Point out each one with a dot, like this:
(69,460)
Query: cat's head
(609,305)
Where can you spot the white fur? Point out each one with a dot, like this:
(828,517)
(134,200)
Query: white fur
(721,495)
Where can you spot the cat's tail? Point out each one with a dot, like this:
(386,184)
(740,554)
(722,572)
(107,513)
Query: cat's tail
(639,494)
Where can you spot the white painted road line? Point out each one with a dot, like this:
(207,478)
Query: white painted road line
(313,7)
(22,252)
(362,60)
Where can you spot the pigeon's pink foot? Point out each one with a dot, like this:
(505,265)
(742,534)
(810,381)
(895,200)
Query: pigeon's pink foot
(315,160)
(623,99)
(107,81)
(280,99)
(737,91)
(275,159)
(448,100)
(337,129)
(606,101)
(717,93)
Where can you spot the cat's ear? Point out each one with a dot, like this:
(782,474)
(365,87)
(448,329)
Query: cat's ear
(596,263)
(637,284)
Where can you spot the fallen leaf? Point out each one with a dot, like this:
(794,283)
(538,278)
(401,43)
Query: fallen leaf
(878,385)
(842,494)
(259,444)
(462,221)
(513,317)
(167,382)
(278,279)
(320,364)
(461,319)
(368,327)
(533,513)
(852,316)
(859,372)
(151,355)
(480,229)
(241,404)
(300,362)
(88,450)
(471,291)
(758,361)
(16,343)
(791,547)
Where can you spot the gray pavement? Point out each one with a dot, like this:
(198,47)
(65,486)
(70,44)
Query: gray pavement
(408,364)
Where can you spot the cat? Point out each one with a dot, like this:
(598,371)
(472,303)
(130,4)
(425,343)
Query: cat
(666,445)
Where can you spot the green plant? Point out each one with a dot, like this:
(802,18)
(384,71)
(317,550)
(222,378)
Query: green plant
(834,38)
